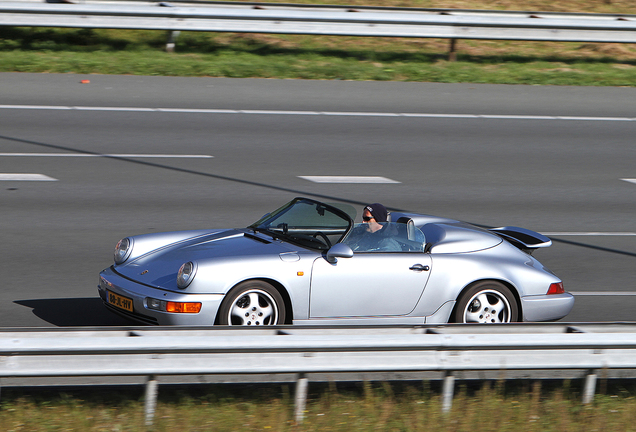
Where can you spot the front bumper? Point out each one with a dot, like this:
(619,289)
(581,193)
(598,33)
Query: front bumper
(110,280)
(546,307)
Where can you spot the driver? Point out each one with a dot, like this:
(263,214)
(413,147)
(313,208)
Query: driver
(377,234)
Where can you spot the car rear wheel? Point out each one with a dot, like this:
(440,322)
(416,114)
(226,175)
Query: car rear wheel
(486,302)
(252,303)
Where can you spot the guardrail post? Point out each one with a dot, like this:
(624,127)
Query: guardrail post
(452,54)
(301,398)
(603,377)
(448,391)
(172,39)
(590,387)
(151,399)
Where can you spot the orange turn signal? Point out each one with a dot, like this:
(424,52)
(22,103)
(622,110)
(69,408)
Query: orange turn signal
(180,307)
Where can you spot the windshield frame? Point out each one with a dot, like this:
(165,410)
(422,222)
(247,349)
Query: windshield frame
(306,236)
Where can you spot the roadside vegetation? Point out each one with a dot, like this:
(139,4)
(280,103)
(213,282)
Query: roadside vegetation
(324,57)
(361,407)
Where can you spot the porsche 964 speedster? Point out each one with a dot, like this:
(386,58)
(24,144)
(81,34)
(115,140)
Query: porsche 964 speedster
(309,263)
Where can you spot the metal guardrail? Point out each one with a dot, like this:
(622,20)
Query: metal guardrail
(268,353)
(328,20)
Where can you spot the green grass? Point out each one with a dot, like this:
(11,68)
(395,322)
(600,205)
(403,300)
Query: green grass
(361,407)
(122,52)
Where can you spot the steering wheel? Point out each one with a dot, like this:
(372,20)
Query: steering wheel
(323,237)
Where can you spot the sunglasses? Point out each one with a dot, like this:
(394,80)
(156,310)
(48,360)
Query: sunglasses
(367,218)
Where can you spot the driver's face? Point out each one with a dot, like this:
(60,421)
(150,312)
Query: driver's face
(372,225)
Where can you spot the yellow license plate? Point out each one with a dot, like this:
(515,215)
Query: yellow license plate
(120,301)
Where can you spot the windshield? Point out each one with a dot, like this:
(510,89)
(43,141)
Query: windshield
(306,222)
(391,237)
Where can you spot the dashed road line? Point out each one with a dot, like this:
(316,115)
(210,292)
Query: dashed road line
(348,179)
(25,177)
(591,233)
(602,293)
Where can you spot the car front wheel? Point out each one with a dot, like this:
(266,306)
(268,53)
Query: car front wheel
(252,303)
(486,302)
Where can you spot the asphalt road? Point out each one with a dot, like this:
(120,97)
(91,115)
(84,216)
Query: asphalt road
(551,159)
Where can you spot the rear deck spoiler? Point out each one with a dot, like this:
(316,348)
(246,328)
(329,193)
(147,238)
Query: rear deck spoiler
(525,239)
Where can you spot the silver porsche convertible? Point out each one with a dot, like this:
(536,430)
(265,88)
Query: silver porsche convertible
(309,263)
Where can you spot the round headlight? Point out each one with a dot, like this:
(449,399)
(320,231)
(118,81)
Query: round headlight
(186,274)
(123,250)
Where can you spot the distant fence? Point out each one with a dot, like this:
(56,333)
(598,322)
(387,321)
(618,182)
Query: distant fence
(339,353)
(329,20)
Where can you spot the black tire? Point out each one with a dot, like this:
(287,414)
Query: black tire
(252,303)
(486,302)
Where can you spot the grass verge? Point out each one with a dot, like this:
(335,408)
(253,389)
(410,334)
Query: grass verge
(362,407)
(86,51)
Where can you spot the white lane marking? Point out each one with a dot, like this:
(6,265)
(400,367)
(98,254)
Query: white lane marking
(25,177)
(348,179)
(588,234)
(602,293)
(316,113)
(113,155)
(629,180)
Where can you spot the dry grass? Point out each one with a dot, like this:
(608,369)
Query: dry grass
(589,6)
(364,407)
(619,52)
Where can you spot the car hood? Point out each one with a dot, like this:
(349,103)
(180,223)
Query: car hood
(159,267)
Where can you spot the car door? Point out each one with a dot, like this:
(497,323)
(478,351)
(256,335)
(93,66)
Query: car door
(368,284)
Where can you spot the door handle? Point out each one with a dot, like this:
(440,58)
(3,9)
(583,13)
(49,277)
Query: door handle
(419,267)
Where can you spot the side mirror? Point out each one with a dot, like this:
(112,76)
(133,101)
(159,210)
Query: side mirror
(339,250)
